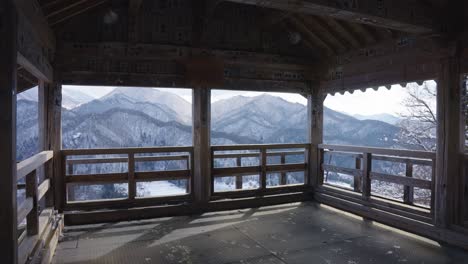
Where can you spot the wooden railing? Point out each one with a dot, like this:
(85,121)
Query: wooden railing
(261,153)
(29,209)
(363,174)
(131,157)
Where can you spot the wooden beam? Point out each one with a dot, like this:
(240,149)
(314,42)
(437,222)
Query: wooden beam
(450,144)
(403,15)
(315,101)
(201,144)
(8,67)
(392,62)
(30,12)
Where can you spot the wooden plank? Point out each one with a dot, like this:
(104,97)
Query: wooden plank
(127,203)
(291,167)
(263,170)
(125,160)
(258,146)
(381,151)
(423,162)
(131,177)
(374,202)
(27,166)
(407,16)
(110,151)
(40,72)
(238,177)
(24,208)
(258,192)
(32,220)
(163,175)
(8,179)
(43,189)
(408,192)
(357,180)
(366,175)
(357,173)
(32,13)
(403,180)
(283,176)
(201,132)
(107,216)
(233,171)
(97,178)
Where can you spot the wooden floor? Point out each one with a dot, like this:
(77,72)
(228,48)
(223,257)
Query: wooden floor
(292,233)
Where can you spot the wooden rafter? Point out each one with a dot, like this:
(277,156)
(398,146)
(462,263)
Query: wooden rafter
(322,30)
(342,31)
(76,10)
(312,36)
(364,32)
(403,15)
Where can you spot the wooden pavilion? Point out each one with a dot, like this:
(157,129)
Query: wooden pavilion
(311,47)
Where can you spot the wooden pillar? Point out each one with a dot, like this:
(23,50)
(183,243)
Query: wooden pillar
(315,135)
(450,145)
(201,144)
(8,66)
(53,141)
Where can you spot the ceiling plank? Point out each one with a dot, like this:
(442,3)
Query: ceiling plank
(64,6)
(403,15)
(363,32)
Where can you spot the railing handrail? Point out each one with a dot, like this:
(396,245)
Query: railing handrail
(381,151)
(134,150)
(259,146)
(31,164)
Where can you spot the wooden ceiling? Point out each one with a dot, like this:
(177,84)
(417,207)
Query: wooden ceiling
(324,34)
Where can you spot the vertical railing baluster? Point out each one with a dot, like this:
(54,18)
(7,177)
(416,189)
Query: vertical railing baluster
(320,172)
(131,176)
(357,179)
(69,189)
(366,171)
(433,182)
(263,163)
(408,196)
(283,174)
(239,177)
(187,162)
(32,223)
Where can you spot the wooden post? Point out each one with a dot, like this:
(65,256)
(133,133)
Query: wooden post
(263,174)
(283,174)
(31,192)
(366,180)
(408,195)
(131,177)
(8,66)
(201,144)
(357,180)
(450,145)
(56,197)
(239,177)
(315,135)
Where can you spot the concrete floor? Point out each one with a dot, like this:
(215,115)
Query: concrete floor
(291,233)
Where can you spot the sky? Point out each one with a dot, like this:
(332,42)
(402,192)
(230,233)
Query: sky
(369,103)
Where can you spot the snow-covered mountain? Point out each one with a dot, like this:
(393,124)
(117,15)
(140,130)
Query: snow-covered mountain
(384,117)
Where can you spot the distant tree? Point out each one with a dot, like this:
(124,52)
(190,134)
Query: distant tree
(419,120)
